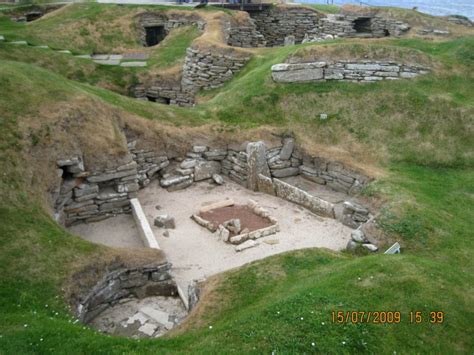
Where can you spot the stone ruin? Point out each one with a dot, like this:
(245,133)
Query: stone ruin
(345,70)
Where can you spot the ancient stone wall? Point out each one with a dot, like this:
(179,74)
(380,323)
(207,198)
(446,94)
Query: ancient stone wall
(276,23)
(366,71)
(88,196)
(123,283)
(208,69)
(351,25)
(92,196)
(168,20)
(244,33)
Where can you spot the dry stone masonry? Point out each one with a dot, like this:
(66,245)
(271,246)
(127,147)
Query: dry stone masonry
(277,22)
(345,70)
(123,283)
(244,33)
(207,69)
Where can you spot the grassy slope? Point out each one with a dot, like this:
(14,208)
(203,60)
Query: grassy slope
(259,308)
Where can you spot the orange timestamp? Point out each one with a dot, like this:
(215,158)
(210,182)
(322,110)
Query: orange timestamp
(387,317)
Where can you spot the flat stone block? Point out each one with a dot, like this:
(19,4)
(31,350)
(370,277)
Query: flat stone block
(133,64)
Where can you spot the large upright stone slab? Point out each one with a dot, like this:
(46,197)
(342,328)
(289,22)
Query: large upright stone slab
(257,163)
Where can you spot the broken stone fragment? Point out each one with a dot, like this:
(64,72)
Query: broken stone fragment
(223,233)
(233,225)
(370,247)
(219,180)
(358,236)
(165,221)
(246,245)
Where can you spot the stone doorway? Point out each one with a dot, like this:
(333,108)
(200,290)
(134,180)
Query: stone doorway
(363,25)
(154,35)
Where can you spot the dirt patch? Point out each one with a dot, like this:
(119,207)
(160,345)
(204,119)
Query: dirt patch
(248,218)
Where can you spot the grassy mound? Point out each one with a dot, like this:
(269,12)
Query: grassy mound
(419,131)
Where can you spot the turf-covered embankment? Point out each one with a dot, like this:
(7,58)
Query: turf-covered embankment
(419,131)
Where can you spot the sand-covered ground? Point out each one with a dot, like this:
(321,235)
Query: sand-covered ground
(195,252)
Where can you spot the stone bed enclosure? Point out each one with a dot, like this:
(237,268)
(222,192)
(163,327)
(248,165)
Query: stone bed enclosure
(89,196)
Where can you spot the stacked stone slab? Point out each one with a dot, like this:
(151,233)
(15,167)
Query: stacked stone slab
(276,23)
(149,163)
(343,25)
(346,70)
(244,34)
(91,196)
(207,69)
(354,215)
(284,161)
(123,283)
(235,166)
(169,93)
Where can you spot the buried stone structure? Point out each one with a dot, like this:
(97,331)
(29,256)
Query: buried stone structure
(88,196)
(346,70)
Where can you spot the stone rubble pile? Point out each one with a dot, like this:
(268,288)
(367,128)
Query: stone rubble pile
(345,70)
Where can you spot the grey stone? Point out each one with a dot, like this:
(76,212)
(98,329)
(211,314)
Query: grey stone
(199,148)
(280,173)
(86,189)
(289,40)
(173,180)
(257,163)
(111,176)
(166,234)
(358,236)
(295,76)
(165,221)
(219,180)
(370,247)
(205,169)
(246,245)
(233,225)
(265,184)
(188,164)
(351,245)
(287,149)
(298,196)
(223,233)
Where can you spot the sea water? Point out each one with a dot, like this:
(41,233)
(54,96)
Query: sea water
(433,7)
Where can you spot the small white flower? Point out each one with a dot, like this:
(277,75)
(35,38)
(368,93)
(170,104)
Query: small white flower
(302,318)
(41,339)
(25,325)
(322,323)
(343,343)
(313,344)
(359,278)
(210,327)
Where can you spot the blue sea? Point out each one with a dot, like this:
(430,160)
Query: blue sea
(433,7)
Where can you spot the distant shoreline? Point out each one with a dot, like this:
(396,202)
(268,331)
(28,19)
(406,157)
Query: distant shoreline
(432,7)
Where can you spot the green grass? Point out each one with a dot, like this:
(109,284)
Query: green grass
(327,9)
(173,49)
(419,130)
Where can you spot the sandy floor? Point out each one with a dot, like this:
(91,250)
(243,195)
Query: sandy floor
(120,231)
(196,253)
